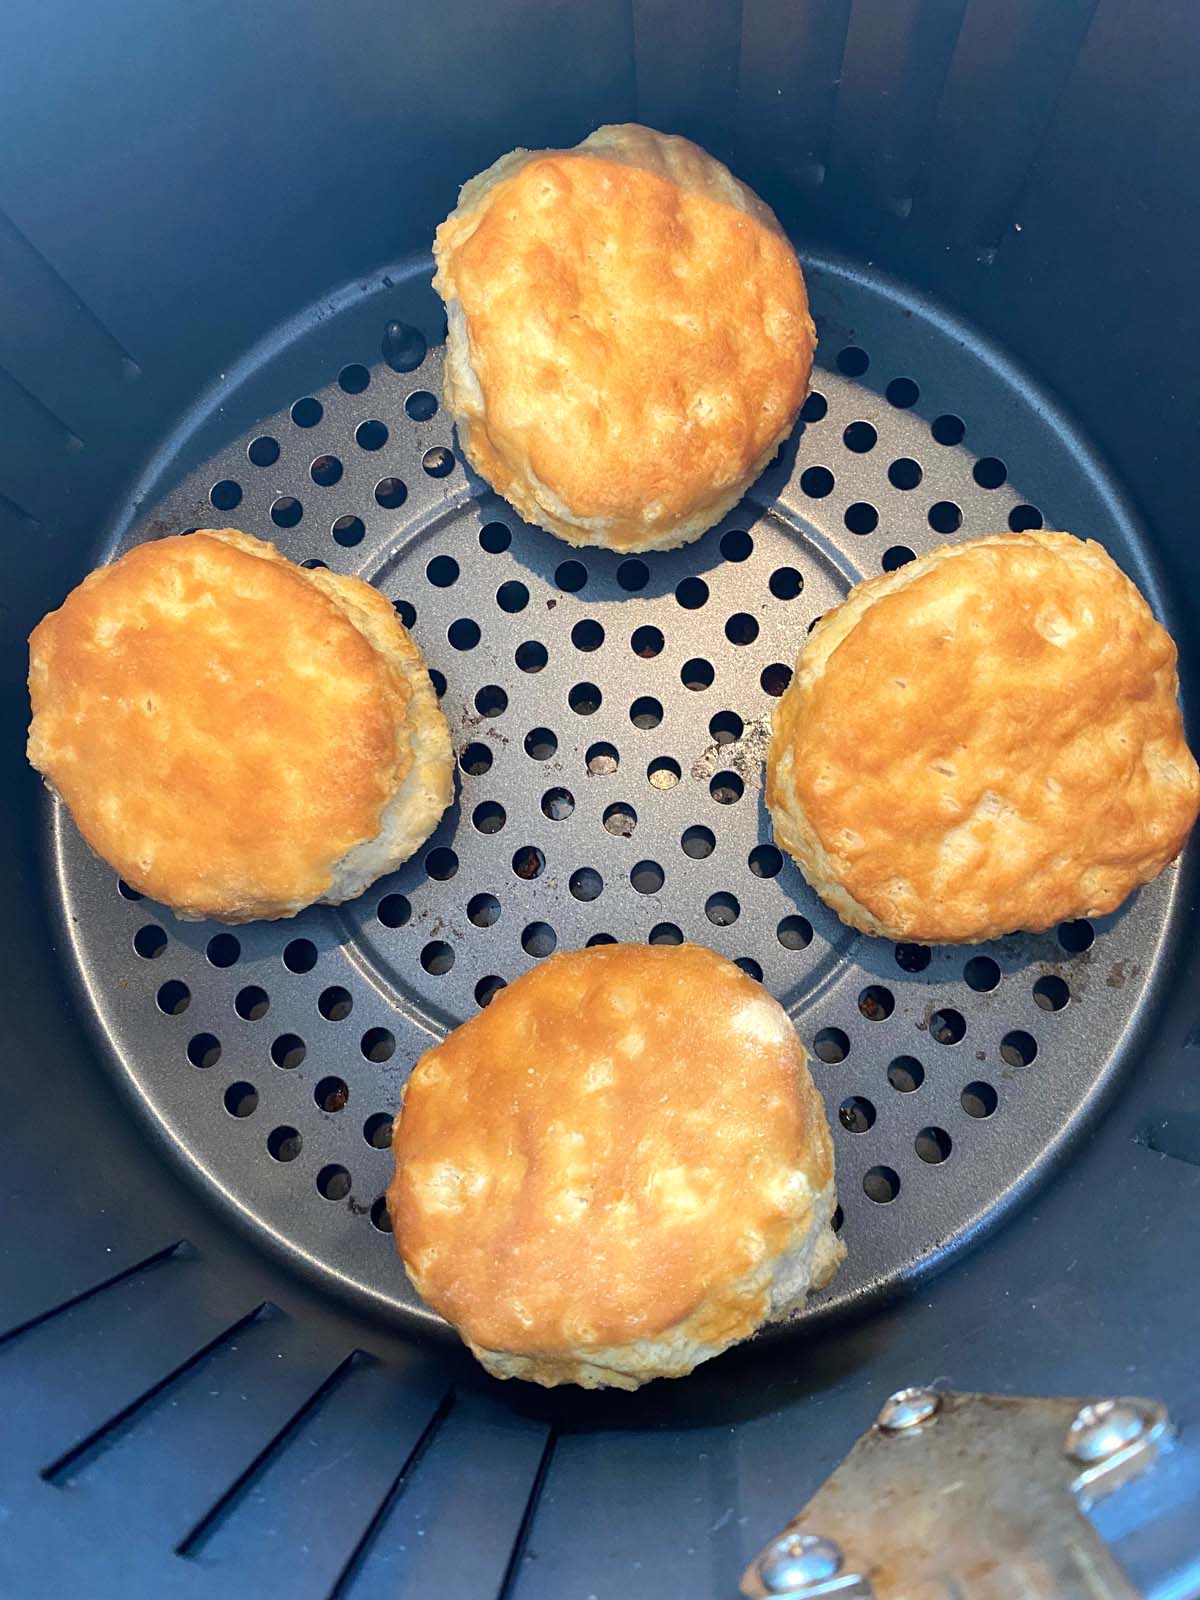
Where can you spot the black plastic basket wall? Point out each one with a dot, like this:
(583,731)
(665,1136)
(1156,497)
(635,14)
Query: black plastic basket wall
(215,310)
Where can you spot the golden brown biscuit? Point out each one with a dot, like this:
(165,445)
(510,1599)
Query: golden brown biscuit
(236,735)
(628,336)
(984,741)
(618,1169)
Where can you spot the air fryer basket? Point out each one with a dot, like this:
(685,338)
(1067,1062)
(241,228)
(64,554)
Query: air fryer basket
(214,1373)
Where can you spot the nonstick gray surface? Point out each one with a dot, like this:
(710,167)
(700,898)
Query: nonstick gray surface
(609,718)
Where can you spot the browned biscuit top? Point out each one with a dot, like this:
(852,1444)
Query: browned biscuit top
(987,740)
(624,1134)
(637,323)
(220,729)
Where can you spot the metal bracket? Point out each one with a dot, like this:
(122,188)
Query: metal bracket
(968,1497)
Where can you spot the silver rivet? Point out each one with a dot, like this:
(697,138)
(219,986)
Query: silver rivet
(908,1408)
(797,1560)
(1100,1430)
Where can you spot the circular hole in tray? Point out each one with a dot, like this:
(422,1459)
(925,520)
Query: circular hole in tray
(620,819)
(331,1094)
(831,1045)
(905,1074)
(252,1003)
(204,1050)
(483,910)
(288,1051)
(333,1182)
(698,842)
(881,1184)
(979,1099)
(856,1114)
(488,816)
(241,1099)
(933,1145)
(284,1143)
(377,1130)
(495,538)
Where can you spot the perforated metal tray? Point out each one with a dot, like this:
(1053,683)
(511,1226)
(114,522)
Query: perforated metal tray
(609,722)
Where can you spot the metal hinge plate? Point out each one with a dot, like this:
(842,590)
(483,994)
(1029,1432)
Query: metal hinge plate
(967,1497)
